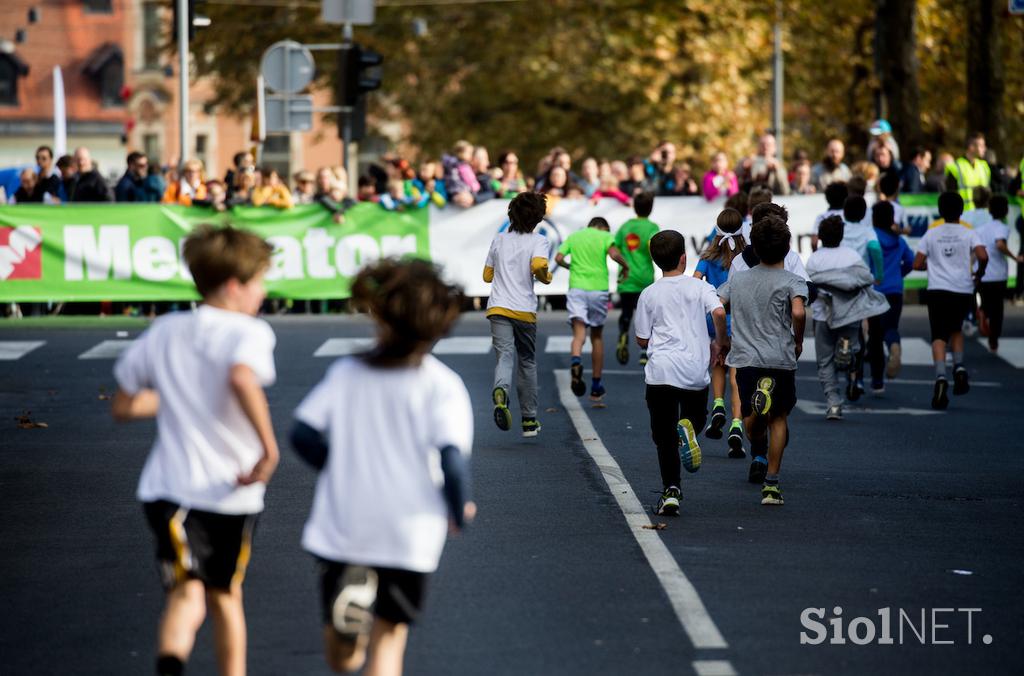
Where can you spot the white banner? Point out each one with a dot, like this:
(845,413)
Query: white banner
(460,238)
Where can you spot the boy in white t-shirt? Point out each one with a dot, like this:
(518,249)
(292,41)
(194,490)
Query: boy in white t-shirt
(201,375)
(945,252)
(835,195)
(994,234)
(671,325)
(391,433)
(516,259)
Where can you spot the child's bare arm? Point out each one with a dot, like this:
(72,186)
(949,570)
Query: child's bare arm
(616,255)
(799,322)
(253,400)
(143,404)
(920,261)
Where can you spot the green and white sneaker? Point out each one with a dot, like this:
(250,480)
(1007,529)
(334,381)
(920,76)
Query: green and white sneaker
(761,400)
(771,495)
(622,349)
(531,427)
(668,504)
(643,358)
(689,449)
(352,610)
(502,417)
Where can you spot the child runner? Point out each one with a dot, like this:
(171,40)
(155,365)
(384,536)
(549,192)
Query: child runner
(945,252)
(749,259)
(713,267)
(768,316)
(633,239)
(201,374)
(859,235)
(844,299)
(884,329)
(388,422)
(835,196)
(515,260)
(994,235)
(670,324)
(589,250)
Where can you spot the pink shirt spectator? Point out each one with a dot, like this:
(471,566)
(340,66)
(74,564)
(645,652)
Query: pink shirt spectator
(469,177)
(716,185)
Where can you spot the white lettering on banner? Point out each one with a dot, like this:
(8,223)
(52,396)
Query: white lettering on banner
(397,246)
(99,249)
(286,261)
(155,259)
(317,244)
(353,252)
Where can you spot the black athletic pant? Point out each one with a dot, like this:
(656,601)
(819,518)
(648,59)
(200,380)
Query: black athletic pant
(992,298)
(628,300)
(883,329)
(667,406)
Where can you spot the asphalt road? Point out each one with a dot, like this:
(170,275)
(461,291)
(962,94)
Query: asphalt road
(907,511)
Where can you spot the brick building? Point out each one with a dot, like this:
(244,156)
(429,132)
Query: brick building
(121,90)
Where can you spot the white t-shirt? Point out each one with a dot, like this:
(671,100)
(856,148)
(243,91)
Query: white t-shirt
(204,441)
(856,236)
(829,258)
(671,314)
(378,500)
(989,233)
(949,248)
(976,218)
(511,255)
(822,216)
(792,263)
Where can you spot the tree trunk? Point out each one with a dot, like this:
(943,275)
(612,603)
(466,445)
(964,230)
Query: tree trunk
(985,78)
(897,69)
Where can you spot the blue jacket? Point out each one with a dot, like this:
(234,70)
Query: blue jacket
(897,261)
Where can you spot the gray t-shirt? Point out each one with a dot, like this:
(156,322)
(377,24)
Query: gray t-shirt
(762,318)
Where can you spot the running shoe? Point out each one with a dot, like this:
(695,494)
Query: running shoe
(940,395)
(854,388)
(352,612)
(771,495)
(502,417)
(844,353)
(643,358)
(597,392)
(689,449)
(960,382)
(622,349)
(579,388)
(892,367)
(735,441)
(834,413)
(758,470)
(877,389)
(531,427)
(993,344)
(969,328)
(668,504)
(761,400)
(714,430)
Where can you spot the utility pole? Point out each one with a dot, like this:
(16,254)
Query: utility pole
(184,20)
(346,122)
(777,81)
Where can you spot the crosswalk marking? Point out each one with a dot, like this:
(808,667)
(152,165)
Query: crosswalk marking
(12,350)
(339,347)
(819,408)
(916,351)
(107,349)
(1011,350)
(563,345)
(463,345)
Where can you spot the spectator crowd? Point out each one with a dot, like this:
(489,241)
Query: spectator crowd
(466,176)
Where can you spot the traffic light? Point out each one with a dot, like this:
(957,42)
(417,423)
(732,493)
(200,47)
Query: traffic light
(357,73)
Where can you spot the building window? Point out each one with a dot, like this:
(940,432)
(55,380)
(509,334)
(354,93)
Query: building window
(8,81)
(202,145)
(151,35)
(111,82)
(98,6)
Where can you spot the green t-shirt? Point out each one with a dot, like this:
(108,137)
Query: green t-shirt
(588,265)
(633,239)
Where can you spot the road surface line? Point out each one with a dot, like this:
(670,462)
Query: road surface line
(1011,350)
(12,350)
(563,345)
(683,596)
(107,349)
(713,668)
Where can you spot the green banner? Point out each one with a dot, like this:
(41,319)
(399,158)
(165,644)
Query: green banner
(132,252)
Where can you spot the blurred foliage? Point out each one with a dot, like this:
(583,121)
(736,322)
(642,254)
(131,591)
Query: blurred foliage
(611,77)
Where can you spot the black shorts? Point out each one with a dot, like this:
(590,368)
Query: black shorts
(947,312)
(783,393)
(400,593)
(195,545)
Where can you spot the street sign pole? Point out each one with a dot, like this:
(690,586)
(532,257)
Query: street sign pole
(346,122)
(183,28)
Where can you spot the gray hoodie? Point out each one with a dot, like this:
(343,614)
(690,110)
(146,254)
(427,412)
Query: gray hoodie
(851,297)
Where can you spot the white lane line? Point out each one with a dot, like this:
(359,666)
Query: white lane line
(819,408)
(463,345)
(916,352)
(563,345)
(714,668)
(1011,350)
(108,349)
(911,381)
(685,600)
(339,347)
(12,350)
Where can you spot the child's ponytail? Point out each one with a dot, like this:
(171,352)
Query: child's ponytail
(728,242)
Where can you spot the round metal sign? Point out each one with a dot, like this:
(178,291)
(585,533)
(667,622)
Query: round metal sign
(287,67)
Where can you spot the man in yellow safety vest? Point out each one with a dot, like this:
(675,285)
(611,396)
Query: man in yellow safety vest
(970,171)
